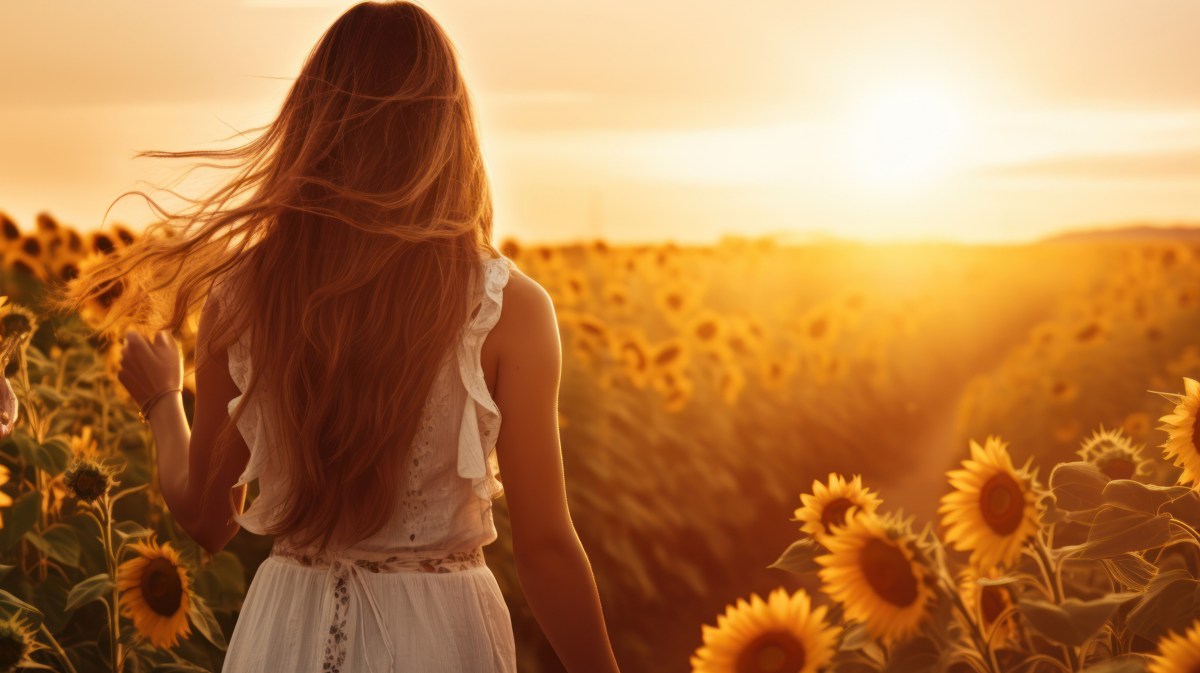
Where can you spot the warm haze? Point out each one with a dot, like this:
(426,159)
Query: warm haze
(668,119)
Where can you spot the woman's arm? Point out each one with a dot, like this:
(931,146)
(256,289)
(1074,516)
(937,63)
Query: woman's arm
(552,566)
(184,453)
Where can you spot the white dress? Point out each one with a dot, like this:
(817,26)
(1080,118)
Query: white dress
(416,596)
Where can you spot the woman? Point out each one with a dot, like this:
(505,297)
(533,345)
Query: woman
(350,260)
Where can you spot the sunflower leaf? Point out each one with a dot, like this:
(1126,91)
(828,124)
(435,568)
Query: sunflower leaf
(1077,486)
(1118,531)
(1138,497)
(1129,663)
(854,637)
(10,601)
(799,558)
(913,656)
(1186,508)
(1131,570)
(130,529)
(20,518)
(1170,602)
(96,587)
(59,542)
(54,455)
(1074,621)
(206,623)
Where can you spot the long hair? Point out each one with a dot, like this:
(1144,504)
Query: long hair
(354,227)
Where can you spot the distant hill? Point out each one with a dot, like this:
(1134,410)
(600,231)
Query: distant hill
(1131,233)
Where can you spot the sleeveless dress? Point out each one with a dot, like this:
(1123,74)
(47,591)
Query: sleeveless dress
(416,596)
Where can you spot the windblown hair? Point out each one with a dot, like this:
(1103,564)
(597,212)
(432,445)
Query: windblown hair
(354,228)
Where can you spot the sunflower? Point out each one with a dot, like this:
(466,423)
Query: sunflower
(9,230)
(676,300)
(779,635)
(5,499)
(732,381)
(1114,454)
(630,348)
(1178,653)
(872,569)
(616,297)
(17,642)
(17,324)
(1180,425)
(84,444)
(830,504)
(745,335)
(88,479)
(708,329)
(987,603)
(101,243)
(993,508)
(17,260)
(776,370)
(819,327)
(154,593)
(1137,423)
(675,387)
(670,355)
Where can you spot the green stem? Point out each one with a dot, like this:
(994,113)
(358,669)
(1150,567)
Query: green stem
(57,648)
(981,644)
(1054,583)
(114,615)
(35,424)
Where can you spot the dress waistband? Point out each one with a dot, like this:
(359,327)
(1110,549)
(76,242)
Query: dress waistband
(384,562)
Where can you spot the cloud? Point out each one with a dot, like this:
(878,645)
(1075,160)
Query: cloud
(1128,166)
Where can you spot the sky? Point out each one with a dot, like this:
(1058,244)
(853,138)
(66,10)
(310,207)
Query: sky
(982,121)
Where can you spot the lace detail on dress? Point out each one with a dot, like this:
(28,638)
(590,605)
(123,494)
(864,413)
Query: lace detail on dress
(414,516)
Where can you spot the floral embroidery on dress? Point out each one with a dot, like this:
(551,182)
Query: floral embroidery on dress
(335,643)
(433,563)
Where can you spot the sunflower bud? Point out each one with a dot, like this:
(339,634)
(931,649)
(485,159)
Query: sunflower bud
(88,480)
(16,642)
(8,408)
(16,325)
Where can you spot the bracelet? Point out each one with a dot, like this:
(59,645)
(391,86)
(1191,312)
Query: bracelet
(144,412)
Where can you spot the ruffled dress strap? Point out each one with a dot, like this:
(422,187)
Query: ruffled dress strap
(481,417)
(251,424)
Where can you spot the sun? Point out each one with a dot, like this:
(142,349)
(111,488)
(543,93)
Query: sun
(905,135)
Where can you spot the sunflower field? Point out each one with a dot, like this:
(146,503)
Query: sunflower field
(927,457)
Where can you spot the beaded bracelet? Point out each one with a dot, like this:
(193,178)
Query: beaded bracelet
(144,412)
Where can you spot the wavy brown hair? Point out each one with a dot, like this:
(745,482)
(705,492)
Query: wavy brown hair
(353,231)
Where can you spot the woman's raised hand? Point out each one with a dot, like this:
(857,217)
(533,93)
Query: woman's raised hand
(150,367)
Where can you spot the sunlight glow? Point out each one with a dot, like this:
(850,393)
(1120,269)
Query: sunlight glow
(905,135)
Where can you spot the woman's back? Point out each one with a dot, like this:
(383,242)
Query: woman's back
(418,588)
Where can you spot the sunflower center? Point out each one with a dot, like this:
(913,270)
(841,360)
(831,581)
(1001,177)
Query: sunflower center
(992,603)
(1002,503)
(1118,468)
(775,651)
(12,650)
(1196,432)
(161,587)
(888,572)
(834,513)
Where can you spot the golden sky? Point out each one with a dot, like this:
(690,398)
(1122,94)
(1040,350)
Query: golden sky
(637,121)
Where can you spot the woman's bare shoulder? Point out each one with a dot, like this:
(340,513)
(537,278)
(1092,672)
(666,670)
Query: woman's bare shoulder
(527,311)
